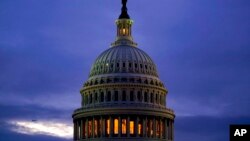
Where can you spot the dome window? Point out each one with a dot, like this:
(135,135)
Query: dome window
(151,98)
(102,96)
(116,95)
(145,97)
(109,96)
(139,96)
(124,97)
(90,98)
(131,96)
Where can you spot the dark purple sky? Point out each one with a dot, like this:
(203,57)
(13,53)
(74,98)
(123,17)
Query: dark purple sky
(201,49)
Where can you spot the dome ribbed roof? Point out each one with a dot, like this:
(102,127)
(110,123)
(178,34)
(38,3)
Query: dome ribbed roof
(123,59)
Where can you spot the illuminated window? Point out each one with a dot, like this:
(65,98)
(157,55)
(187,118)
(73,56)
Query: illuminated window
(124,123)
(90,129)
(79,132)
(139,129)
(108,126)
(116,126)
(131,127)
(95,128)
(157,128)
(151,128)
(123,31)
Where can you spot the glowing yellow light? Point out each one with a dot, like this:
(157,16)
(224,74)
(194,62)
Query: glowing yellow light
(124,122)
(96,129)
(90,128)
(139,129)
(131,125)
(116,124)
(108,126)
(123,31)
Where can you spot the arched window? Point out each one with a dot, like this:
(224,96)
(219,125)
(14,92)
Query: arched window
(156,98)
(90,128)
(95,128)
(124,127)
(157,122)
(139,96)
(96,97)
(90,98)
(107,127)
(145,97)
(151,98)
(116,95)
(124,97)
(109,96)
(131,95)
(131,127)
(116,126)
(140,128)
(102,96)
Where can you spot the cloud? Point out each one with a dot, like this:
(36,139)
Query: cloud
(50,128)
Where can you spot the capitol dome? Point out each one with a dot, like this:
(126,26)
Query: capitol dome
(123,98)
(123,59)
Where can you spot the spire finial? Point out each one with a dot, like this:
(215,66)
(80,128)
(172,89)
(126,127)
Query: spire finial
(124,14)
(124,2)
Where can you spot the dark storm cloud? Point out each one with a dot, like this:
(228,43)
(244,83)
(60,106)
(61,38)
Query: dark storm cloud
(201,49)
(32,112)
